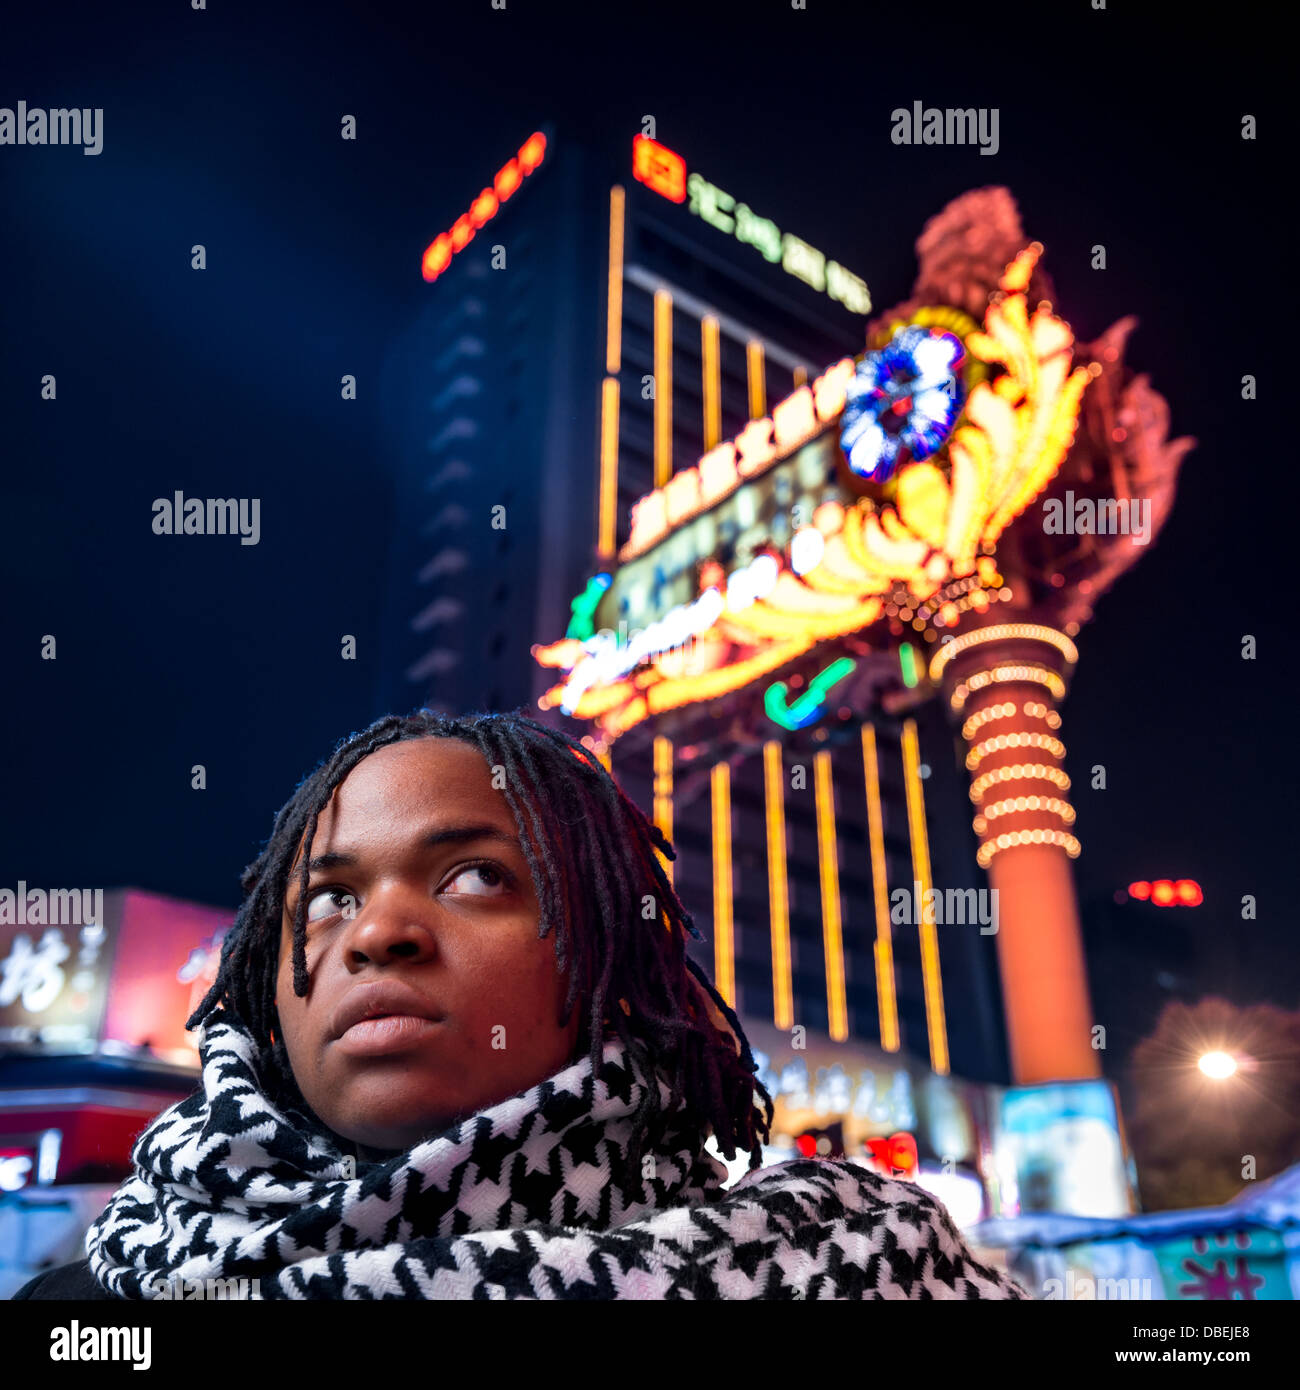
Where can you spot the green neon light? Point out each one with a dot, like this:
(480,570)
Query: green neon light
(907,663)
(810,706)
(583,622)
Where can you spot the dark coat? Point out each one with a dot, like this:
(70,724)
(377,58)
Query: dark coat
(70,1283)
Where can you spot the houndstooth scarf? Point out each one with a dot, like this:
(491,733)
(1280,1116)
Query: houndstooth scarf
(523,1200)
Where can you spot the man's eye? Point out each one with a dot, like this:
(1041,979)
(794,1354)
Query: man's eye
(479,879)
(328,902)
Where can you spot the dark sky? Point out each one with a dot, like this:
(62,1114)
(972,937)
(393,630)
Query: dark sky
(221,127)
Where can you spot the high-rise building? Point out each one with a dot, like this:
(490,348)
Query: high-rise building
(599,319)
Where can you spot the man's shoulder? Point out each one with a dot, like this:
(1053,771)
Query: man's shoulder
(840,1173)
(70,1282)
(921,1242)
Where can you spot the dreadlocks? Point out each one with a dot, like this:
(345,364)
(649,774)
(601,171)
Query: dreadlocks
(620,928)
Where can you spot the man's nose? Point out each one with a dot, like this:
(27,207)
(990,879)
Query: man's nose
(394,924)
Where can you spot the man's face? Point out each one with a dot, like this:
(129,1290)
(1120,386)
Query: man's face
(419,884)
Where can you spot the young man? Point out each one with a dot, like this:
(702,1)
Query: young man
(409,1091)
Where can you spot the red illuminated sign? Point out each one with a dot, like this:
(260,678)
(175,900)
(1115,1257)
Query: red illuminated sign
(659,168)
(437,256)
(897,1154)
(1164,892)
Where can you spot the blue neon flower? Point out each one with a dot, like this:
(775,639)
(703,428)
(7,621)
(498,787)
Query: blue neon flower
(902,402)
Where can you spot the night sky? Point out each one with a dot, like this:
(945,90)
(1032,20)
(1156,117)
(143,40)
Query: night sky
(222,127)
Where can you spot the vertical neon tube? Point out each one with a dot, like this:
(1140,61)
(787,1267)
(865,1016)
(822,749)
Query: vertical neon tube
(832,924)
(614,302)
(724,947)
(711,354)
(886,991)
(777,888)
(663,361)
(608,502)
(663,796)
(757,376)
(925,909)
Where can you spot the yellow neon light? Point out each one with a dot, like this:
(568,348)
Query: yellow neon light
(757,379)
(608,509)
(766,622)
(986,852)
(724,946)
(712,381)
(614,303)
(1052,805)
(1010,675)
(605,760)
(832,925)
(1001,742)
(663,351)
(663,796)
(886,995)
(921,871)
(1028,631)
(1018,772)
(778,893)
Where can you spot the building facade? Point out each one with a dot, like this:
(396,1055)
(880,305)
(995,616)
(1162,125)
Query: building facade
(603,327)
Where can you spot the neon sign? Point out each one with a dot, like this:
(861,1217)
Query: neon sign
(1183,892)
(582,624)
(811,705)
(609,657)
(438,254)
(895,1154)
(923,546)
(721,471)
(664,171)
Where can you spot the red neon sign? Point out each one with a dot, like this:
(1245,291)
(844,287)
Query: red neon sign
(438,254)
(1183,892)
(660,168)
(895,1154)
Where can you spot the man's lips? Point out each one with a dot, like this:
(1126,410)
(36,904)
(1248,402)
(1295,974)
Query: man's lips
(381,999)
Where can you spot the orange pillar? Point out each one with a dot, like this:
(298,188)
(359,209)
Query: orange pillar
(1002,683)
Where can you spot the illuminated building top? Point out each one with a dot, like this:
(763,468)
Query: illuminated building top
(863,513)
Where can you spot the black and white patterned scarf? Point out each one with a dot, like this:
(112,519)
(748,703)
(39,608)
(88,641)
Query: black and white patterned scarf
(523,1200)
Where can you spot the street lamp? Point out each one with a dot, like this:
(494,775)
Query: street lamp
(1217,1065)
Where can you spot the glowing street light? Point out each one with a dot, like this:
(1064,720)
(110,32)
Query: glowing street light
(1217,1065)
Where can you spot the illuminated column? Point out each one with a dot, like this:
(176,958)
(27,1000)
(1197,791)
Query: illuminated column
(757,378)
(1003,682)
(724,944)
(607,491)
(936,1025)
(663,796)
(614,293)
(608,505)
(777,888)
(800,376)
(886,994)
(711,354)
(832,925)
(663,387)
